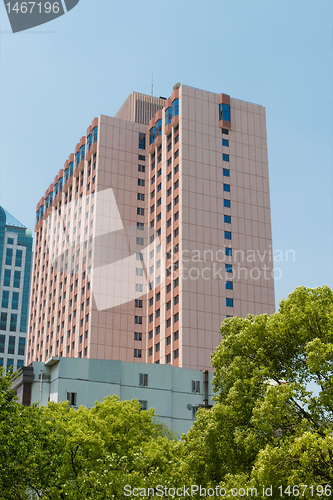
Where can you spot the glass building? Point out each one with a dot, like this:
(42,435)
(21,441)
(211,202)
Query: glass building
(15,271)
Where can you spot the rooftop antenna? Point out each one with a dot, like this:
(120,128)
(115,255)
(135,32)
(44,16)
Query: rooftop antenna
(152,84)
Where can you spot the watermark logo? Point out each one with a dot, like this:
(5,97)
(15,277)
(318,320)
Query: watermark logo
(122,261)
(25,15)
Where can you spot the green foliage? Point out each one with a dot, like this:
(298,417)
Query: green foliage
(269,424)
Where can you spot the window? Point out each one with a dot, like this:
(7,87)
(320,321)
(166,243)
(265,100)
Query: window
(138,287)
(225,131)
(138,303)
(2,343)
(228,268)
(152,180)
(138,320)
(176,318)
(224,112)
(10,241)
(139,272)
(225,157)
(159,173)
(140,211)
(139,241)
(176,169)
(15,300)
(226,187)
(11,345)
(18,258)
(9,256)
(168,340)
(176,232)
(229,285)
(142,157)
(168,225)
(196,386)
(226,172)
(143,379)
(228,251)
(227,235)
(227,219)
(159,187)
(226,203)
(139,256)
(140,225)
(225,142)
(7,276)
(229,302)
(158,218)
(141,197)
(176,283)
(168,322)
(168,305)
(168,358)
(10,365)
(158,312)
(169,207)
(176,335)
(142,140)
(5,299)
(175,107)
(159,201)
(17,279)
(176,300)
(176,216)
(176,184)
(157,347)
(176,354)
(141,182)
(176,154)
(168,288)
(13,322)
(137,353)
(176,200)
(157,330)
(144,404)
(71,398)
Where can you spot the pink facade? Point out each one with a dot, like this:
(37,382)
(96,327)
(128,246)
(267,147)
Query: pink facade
(141,253)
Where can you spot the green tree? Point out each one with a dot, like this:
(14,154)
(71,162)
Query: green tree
(268,425)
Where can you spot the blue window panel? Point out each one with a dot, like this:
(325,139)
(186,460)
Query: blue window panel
(5,299)
(17,279)
(70,168)
(89,141)
(175,107)
(10,365)
(227,219)
(1,362)
(82,152)
(77,159)
(228,268)
(21,346)
(2,343)
(6,280)
(13,323)
(227,235)
(20,363)
(226,188)
(229,316)
(159,127)
(225,142)
(3,321)
(228,251)
(226,172)
(10,241)
(226,203)
(142,140)
(224,112)
(95,134)
(9,256)
(18,258)
(229,302)
(168,116)
(152,135)
(225,157)
(15,300)
(229,285)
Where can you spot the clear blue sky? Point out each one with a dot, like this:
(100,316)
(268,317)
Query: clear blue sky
(56,78)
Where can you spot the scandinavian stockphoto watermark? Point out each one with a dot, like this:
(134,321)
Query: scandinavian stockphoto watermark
(124,261)
(25,15)
(298,490)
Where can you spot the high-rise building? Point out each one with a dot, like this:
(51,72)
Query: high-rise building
(156,230)
(15,270)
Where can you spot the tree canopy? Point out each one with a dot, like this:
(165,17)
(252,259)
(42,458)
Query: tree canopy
(271,425)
